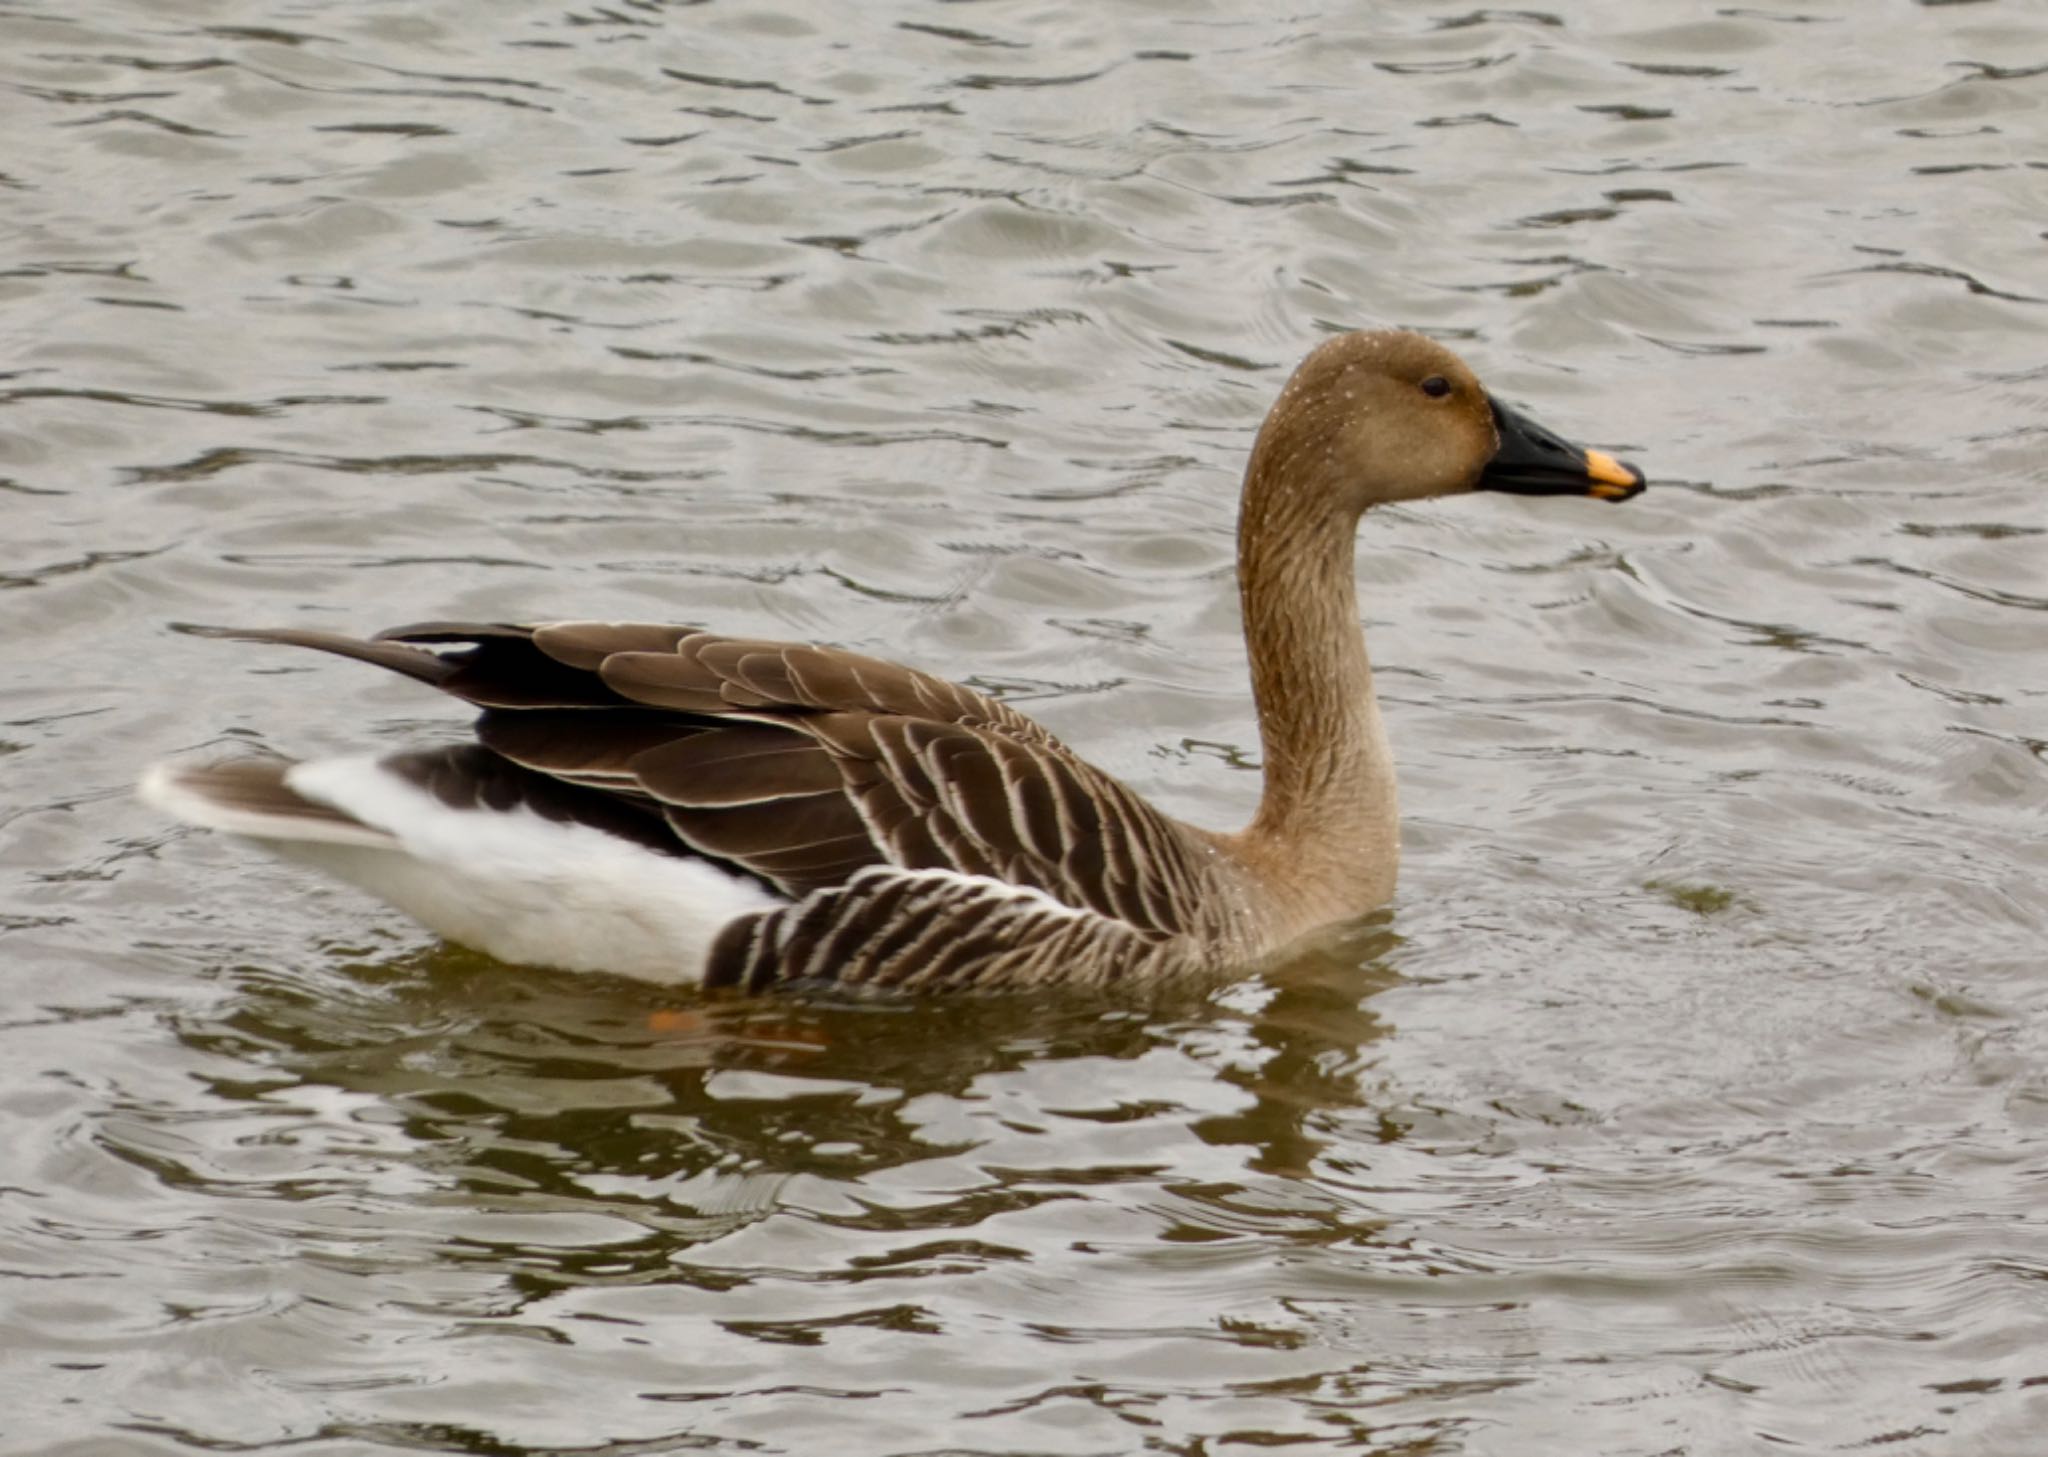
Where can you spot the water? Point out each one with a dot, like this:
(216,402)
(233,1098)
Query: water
(1689,1100)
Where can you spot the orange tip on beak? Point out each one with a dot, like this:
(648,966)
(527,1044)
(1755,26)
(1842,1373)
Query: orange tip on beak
(1611,479)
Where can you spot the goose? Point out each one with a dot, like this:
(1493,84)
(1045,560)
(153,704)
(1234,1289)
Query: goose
(681,806)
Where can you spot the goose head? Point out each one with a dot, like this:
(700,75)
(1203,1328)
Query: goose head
(1388,415)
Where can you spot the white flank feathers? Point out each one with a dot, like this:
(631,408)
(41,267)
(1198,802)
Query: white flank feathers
(514,884)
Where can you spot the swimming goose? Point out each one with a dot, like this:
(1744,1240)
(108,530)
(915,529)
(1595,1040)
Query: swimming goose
(683,806)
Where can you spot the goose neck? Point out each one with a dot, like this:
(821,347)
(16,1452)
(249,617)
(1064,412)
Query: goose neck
(1329,799)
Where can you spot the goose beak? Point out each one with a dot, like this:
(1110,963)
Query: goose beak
(1532,461)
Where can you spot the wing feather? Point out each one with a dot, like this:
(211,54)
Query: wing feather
(585,645)
(816,769)
(743,763)
(663,680)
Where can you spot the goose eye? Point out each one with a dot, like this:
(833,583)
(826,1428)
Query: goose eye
(1436,387)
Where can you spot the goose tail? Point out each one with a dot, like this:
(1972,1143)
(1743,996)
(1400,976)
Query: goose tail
(254,798)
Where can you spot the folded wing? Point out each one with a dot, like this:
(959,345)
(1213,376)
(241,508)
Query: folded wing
(811,769)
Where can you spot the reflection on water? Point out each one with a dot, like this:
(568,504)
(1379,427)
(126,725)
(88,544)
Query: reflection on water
(1689,1099)
(497,1068)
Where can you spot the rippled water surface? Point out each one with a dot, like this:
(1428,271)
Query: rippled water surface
(1690,1100)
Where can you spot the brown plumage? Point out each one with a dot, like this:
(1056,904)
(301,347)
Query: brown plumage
(924,835)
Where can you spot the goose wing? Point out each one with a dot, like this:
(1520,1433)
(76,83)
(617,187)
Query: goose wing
(806,765)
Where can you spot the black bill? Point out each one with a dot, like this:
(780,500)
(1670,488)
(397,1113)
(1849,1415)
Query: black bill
(1532,461)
